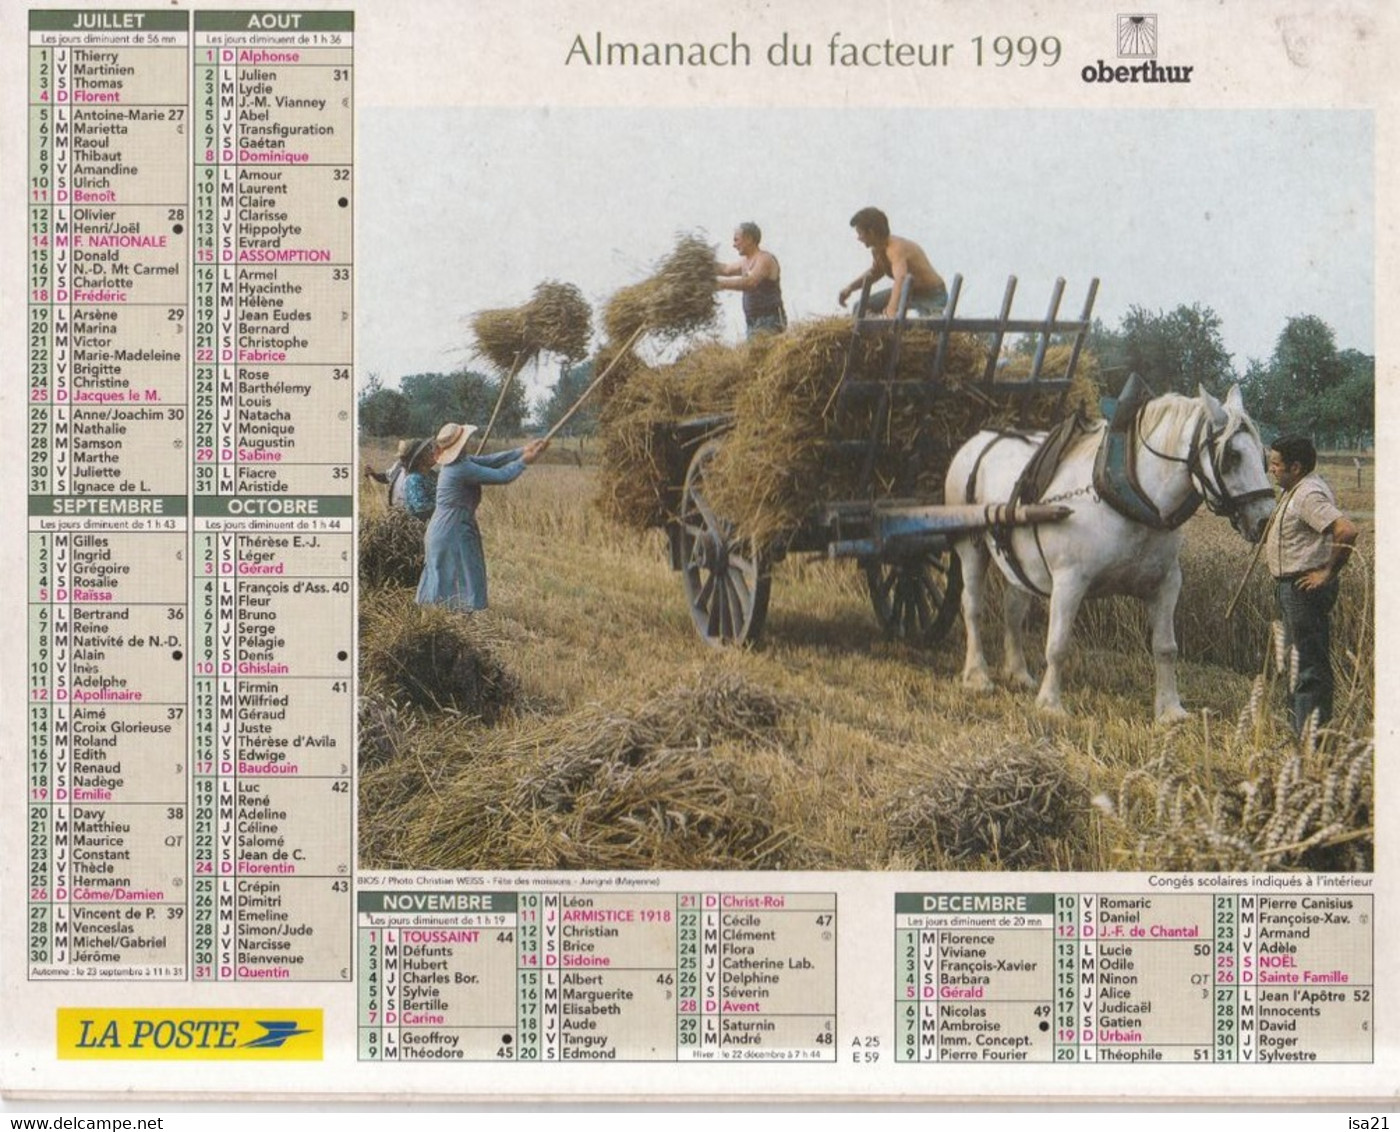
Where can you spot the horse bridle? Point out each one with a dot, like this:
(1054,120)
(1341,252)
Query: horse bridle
(1207,483)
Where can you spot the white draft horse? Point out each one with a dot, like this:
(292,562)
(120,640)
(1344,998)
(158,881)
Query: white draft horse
(1186,450)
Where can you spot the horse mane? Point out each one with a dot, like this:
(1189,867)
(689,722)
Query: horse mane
(1173,410)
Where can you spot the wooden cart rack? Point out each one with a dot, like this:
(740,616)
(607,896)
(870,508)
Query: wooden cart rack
(902,543)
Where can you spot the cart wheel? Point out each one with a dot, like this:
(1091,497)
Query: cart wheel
(726,581)
(916,598)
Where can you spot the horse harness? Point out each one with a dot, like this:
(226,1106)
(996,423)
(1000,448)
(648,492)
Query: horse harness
(1115,479)
(1202,463)
(1030,487)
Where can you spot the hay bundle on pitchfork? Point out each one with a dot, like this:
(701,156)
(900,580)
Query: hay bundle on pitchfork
(556,320)
(676,300)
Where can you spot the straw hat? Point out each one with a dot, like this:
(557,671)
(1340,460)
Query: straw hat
(404,448)
(451,439)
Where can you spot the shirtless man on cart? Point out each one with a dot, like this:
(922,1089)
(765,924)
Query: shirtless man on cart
(897,258)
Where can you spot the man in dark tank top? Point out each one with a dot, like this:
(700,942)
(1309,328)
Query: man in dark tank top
(758,276)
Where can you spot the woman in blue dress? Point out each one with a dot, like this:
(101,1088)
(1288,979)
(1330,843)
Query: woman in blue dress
(454,567)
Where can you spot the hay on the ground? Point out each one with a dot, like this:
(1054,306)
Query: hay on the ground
(391,549)
(683,780)
(398,777)
(1310,809)
(676,300)
(671,784)
(383,730)
(434,658)
(715,709)
(1004,807)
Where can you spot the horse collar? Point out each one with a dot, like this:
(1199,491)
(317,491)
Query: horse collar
(1116,479)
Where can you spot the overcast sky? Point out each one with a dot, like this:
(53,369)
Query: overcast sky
(1259,215)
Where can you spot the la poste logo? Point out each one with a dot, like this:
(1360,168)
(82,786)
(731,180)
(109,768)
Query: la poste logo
(134,1033)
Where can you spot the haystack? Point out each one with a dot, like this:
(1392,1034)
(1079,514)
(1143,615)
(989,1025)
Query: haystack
(683,780)
(1005,807)
(434,658)
(1054,364)
(627,312)
(560,320)
(641,463)
(782,457)
(502,337)
(391,549)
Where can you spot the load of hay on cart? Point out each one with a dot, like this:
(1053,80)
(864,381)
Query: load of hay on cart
(833,439)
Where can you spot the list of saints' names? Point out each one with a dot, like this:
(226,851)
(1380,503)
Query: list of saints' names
(190,436)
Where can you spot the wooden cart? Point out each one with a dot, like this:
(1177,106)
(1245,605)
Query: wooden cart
(902,543)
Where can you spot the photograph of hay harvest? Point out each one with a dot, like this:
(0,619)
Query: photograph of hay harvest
(735,580)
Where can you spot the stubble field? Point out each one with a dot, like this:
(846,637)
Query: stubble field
(580,723)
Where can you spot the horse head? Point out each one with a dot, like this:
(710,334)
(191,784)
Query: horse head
(1230,465)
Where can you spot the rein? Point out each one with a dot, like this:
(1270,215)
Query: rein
(1207,484)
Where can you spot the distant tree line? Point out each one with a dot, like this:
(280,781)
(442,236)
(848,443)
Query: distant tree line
(424,402)
(1307,385)
(573,380)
